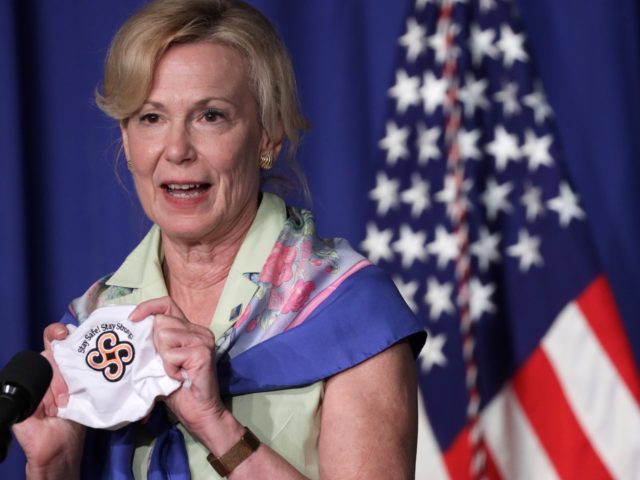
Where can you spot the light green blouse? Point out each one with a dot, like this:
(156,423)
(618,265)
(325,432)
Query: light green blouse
(286,420)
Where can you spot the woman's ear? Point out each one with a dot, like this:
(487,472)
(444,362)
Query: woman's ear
(271,142)
(125,139)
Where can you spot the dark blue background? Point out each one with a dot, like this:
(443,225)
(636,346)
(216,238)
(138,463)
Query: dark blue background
(69,213)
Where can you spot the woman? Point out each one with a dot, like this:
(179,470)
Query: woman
(315,373)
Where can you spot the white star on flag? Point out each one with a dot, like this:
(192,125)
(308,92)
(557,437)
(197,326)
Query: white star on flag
(417,196)
(468,144)
(537,102)
(408,291)
(405,91)
(438,298)
(472,95)
(527,250)
(481,43)
(503,147)
(445,246)
(495,198)
(486,248)
(433,92)
(410,245)
(385,193)
(448,195)
(395,142)
(431,353)
(376,243)
(414,40)
(532,201)
(566,205)
(420,4)
(438,42)
(508,96)
(427,143)
(480,298)
(511,45)
(536,149)
(486,5)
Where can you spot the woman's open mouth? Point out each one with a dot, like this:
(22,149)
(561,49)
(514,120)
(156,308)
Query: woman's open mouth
(185,190)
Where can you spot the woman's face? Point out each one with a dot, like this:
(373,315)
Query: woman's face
(195,143)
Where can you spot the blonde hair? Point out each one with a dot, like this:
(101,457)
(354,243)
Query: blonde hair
(146,36)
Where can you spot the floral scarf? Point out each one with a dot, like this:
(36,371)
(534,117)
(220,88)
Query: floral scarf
(319,308)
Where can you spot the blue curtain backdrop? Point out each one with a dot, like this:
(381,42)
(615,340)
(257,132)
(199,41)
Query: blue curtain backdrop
(69,213)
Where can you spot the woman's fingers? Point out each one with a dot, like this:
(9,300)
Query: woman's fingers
(48,405)
(57,394)
(55,331)
(58,390)
(172,330)
(58,387)
(157,306)
(169,332)
(189,359)
(170,337)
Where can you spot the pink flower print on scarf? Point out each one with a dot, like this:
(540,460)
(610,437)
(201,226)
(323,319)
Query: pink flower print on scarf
(278,268)
(299,296)
(306,250)
(251,326)
(276,299)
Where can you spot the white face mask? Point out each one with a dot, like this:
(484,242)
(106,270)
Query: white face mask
(112,369)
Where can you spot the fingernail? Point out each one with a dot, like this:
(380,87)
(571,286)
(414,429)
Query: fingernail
(187,381)
(61,330)
(62,399)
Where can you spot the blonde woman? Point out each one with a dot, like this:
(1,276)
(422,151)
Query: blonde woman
(315,349)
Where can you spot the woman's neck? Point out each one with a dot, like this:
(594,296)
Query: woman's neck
(195,273)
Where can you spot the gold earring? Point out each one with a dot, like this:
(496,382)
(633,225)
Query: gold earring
(266,161)
(129,165)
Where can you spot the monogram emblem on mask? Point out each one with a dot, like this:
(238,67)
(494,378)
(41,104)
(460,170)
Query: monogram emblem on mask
(111,356)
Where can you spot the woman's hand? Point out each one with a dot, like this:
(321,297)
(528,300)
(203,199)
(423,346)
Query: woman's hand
(187,351)
(52,445)
(187,347)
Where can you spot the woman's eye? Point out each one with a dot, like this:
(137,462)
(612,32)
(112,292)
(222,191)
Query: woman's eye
(150,118)
(211,115)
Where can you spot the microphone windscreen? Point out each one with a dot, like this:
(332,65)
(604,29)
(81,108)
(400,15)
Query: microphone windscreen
(32,372)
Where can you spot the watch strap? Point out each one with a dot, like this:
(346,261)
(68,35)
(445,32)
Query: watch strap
(237,454)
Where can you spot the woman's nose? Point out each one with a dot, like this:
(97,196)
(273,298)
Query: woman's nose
(178,147)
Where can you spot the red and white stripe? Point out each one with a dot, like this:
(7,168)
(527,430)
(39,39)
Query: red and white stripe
(601,400)
(571,411)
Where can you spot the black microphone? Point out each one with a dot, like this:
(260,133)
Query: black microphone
(23,383)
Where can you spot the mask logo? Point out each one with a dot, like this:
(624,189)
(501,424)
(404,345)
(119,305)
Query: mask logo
(111,356)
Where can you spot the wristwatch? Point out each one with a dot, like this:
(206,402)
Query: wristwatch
(237,454)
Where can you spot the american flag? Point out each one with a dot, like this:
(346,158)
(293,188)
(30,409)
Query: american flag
(527,372)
